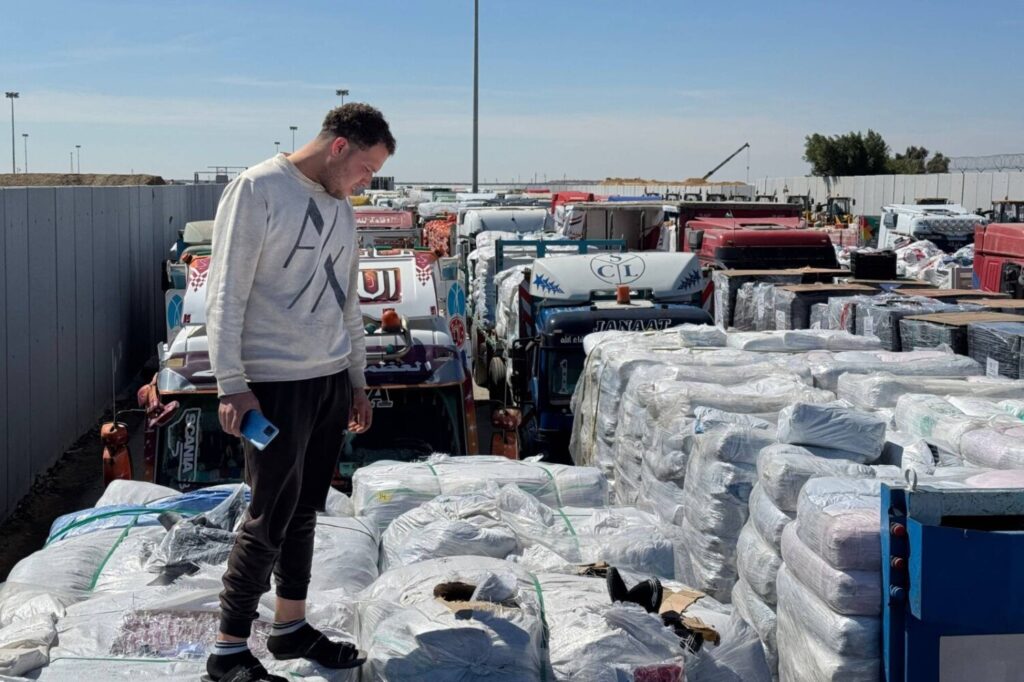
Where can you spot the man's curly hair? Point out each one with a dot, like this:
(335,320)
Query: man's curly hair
(360,124)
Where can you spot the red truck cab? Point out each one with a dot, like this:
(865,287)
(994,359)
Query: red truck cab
(773,242)
(999,258)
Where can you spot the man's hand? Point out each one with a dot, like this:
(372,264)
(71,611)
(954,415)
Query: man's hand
(362,412)
(233,408)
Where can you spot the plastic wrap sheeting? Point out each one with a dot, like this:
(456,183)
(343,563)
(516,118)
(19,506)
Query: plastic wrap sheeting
(997,346)
(337,504)
(385,490)
(410,635)
(881,319)
(909,453)
(346,554)
(1013,407)
(876,391)
(850,592)
(710,418)
(974,406)
(766,395)
(918,363)
(842,311)
(133,493)
(767,518)
(757,563)
(699,335)
(798,340)
(783,469)
(818,645)
(760,617)
(506,317)
(755,307)
(922,334)
(998,448)
(727,285)
(719,477)
(819,316)
(829,426)
(939,422)
(593,640)
(839,522)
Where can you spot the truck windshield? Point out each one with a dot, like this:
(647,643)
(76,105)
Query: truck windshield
(563,371)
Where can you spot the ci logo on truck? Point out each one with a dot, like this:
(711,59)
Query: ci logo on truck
(616,268)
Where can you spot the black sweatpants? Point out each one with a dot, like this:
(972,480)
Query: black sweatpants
(289,480)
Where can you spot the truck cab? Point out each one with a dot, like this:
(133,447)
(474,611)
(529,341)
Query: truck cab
(638,223)
(948,226)
(758,243)
(999,258)
(378,226)
(562,300)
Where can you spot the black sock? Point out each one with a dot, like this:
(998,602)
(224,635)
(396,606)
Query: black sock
(219,664)
(309,643)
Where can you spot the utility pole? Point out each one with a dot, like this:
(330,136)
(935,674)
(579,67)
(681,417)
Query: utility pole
(78,151)
(12,96)
(277,147)
(476,93)
(342,94)
(71,161)
(24,138)
(293,129)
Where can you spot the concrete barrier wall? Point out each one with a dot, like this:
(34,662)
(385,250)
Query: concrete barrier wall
(80,272)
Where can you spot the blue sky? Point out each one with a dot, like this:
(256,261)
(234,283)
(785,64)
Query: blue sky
(579,88)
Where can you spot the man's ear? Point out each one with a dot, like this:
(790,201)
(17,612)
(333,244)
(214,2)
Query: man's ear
(338,145)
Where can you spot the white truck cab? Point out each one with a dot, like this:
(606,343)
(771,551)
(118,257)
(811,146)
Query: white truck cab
(948,226)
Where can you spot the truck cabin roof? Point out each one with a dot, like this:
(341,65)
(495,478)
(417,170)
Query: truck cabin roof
(766,223)
(375,217)
(666,277)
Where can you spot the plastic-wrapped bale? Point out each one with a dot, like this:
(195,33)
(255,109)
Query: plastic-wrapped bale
(860,435)
(799,340)
(819,316)
(793,304)
(743,316)
(757,563)
(385,490)
(761,396)
(850,592)
(593,640)
(881,391)
(506,317)
(133,492)
(918,363)
(997,346)
(720,474)
(842,312)
(783,469)
(881,319)
(838,521)
(999,448)
(907,452)
(941,423)
(815,644)
(728,282)
(761,617)
(498,632)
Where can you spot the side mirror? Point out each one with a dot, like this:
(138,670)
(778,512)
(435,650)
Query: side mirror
(853,202)
(696,239)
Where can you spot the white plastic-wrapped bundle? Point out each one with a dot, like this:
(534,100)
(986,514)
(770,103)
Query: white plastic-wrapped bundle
(815,644)
(830,426)
(710,418)
(593,640)
(839,521)
(385,490)
(133,492)
(1014,407)
(938,421)
(761,617)
(499,633)
(783,469)
(506,317)
(719,477)
(798,340)
(346,552)
(757,563)
(875,391)
(918,363)
(851,592)
(700,335)
(907,452)
(767,517)
(761,396)
(999,447)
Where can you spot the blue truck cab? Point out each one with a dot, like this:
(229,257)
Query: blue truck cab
(562,300)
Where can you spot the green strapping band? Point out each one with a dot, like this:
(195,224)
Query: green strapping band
(120,512)
(545,656)
(436,477)
(554,484)
(117,543)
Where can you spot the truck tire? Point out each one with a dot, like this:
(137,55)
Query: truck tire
(497,375)
(480,366)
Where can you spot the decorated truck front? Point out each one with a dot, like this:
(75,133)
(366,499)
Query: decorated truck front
(563,300)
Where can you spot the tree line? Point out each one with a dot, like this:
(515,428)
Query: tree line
(867,154)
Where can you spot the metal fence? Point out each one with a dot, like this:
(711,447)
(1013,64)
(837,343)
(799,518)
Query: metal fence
(79,286)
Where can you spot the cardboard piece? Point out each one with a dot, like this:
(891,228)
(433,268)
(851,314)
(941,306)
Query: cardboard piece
(965,318)
(824,287)
(949,293)
(893,283)
(1000,303)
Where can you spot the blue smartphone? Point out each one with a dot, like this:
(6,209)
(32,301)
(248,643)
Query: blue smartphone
(257,430)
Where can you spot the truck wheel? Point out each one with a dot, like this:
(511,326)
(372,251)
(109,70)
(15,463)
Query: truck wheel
(480,367)
(497,374)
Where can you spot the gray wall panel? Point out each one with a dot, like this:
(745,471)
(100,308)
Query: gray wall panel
(5,501)
(84,343)
(42,298)
(67,320)
(19,345)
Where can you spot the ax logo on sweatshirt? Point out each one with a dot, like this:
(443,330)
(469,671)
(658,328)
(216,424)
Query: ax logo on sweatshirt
(323,274)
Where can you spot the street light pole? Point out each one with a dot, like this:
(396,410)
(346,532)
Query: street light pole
(71,161)
(12,96)
(24,138)
(342,94)
(293,129)
(277,147)
(476,92)
(78,151)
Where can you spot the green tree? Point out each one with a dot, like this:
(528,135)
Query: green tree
(849,154)
(937,164)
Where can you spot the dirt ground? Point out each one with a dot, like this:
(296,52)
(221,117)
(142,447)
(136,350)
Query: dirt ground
(81,179)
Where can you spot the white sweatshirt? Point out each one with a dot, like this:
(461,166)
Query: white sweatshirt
(282,301)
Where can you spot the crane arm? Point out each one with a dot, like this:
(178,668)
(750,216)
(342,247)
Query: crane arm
(727,160)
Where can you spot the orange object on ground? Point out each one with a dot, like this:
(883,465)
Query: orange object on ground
(117,460)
